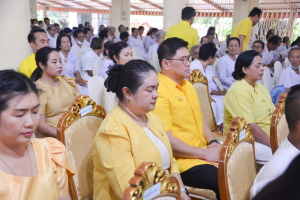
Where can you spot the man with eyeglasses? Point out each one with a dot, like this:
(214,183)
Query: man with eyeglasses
(195,52)
(79,46)
(192,141)
(258,46)
(243,29)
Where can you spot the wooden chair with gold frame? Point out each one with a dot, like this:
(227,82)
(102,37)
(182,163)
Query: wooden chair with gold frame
(200,84)
(237,164)
(279,128)
(147,175)
(77,133)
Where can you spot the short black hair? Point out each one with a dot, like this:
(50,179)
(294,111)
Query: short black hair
(80,26)
(208,34)
(201,40)
(207,50)
(85,30)
(261,42)
(245,59)
(274,40)
(96,43)
(119,28)
(285,39)
(255,11)
(58,41)
(130,75)
(133,29)
(141,28)
(39,22)
(46,18)
(31,38)
(211,29)
(167,49)
(86,23)
(296,42)
(233,38)
(124,35)
(292,106)
(187,13)
(103,33)
(32,20)
(13,84)
(67,30)
(269,33)
(56,24)
(76,32)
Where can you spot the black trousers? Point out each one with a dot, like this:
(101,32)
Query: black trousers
(202,176)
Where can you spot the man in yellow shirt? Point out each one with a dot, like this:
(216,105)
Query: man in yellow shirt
(37,39)
(243,29)
(184,30)
(178,107)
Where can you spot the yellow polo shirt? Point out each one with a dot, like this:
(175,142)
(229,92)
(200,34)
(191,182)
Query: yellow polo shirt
(184,31)
(243,28)
(179,109)
(28,65)
(254,104)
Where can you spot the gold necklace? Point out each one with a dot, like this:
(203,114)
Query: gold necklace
(12,170)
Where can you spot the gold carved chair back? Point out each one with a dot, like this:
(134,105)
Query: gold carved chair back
(77,133)
(279,128)
(147,175)
(237,164)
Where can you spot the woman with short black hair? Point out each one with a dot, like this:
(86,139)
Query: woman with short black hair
(252,101)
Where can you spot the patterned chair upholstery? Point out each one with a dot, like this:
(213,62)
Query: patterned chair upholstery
(77,131)
(237,164)
(147,175)
(279,128)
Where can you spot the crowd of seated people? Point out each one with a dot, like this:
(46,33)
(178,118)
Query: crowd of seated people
(149,116)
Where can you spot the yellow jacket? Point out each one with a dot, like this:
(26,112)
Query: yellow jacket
(120,146)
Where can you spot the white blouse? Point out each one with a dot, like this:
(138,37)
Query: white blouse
(161,147)
(289,78)
(225,67)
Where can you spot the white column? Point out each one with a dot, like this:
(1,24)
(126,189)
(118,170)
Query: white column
(33,9)
(172,12)
(14,48)
(120,13)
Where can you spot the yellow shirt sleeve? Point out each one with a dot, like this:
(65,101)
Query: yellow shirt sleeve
(240,105)
(114,149)
(246,28)
(162,110)
(43,101)
(24,69)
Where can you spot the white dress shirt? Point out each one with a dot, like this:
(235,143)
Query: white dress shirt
(118,39)
(52,40)
(154,49)
(88,62)
(86,43)
(148,41)
(75,48)
(165,157)
(289,78)
(225,67)
(275,167)
(222,50)
(138,43)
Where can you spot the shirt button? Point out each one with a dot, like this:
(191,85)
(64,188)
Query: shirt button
(180,99)
(264,100)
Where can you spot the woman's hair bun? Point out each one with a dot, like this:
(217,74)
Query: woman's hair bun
(113,74)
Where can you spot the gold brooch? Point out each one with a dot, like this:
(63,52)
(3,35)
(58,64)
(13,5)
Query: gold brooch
(65,60)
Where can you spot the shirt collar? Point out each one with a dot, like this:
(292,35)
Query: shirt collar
(169,83)
(185,23)
(248,85)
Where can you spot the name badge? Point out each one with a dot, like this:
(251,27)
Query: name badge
(152,192)
(86,110)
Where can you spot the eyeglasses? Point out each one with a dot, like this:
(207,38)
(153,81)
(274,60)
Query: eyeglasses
(80,37)
(256,47)
(183,60)
(196,53)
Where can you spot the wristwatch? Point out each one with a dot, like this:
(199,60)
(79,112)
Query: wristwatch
(212,141)
(184,190)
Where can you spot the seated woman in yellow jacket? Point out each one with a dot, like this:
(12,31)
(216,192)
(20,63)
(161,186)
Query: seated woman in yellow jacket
(56,94)
(32,169)
(130,135)
(252,101)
